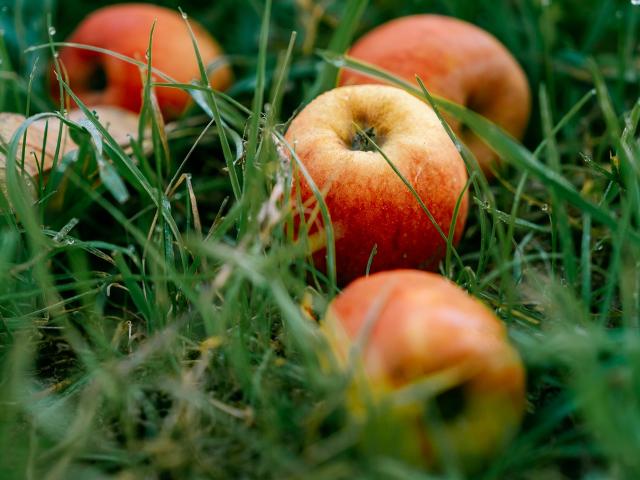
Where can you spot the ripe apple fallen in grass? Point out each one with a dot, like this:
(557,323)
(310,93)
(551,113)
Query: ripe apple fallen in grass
(369,204)
(102,79)
(433,373)
(455,60)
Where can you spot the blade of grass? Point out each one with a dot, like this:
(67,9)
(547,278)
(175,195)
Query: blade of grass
(560,218)
(211,97)
(326,216)
(340,41)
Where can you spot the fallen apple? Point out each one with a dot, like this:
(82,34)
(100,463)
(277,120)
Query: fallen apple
(456,60)
(434,377)
(102,79)
(38,151)
(42,136)
(370,205)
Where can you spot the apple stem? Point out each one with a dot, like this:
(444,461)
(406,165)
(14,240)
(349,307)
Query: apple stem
(361,140)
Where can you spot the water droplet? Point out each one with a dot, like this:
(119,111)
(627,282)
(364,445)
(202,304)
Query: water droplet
(56,55)
(52,31)
(544,207)
(184,15)
(339,62)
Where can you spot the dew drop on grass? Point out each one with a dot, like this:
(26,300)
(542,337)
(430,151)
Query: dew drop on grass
(52,31)
(184,15)
(544,208)
(339,63)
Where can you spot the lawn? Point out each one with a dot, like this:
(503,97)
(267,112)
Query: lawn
(158,319)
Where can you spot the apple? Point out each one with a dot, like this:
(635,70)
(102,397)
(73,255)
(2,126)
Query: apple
(455,60)
(368,202)
(42,135)
(102,79)
(36,158)
(433,376)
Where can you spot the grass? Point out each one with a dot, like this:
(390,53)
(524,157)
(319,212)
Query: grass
(151,325)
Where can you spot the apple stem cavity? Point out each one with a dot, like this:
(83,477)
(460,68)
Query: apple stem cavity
(451,403)
(361,140)
(98,79)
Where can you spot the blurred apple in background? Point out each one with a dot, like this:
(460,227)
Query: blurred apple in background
(102,79)
(455,60)
(434,377)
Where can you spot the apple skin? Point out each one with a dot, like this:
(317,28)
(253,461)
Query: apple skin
(418,326)
(455,60)
(368,203)
(125,29)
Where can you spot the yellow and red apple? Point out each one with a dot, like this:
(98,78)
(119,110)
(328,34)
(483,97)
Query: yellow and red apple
(369,204)
(102,79)
(455,60)
(433,372)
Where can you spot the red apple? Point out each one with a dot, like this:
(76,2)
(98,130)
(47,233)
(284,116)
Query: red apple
(456,60)
(102,79)
(368,203)
(432,362)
